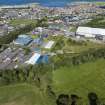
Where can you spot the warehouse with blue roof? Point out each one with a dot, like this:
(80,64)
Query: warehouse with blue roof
(37,59)
(23,40)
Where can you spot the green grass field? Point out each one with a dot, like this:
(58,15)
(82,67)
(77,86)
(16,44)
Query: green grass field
(23,94)
(76,48)
(99,22)
(17,22)
(100,3)
(81,80)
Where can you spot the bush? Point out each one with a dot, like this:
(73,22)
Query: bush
(93,98)
(63,100)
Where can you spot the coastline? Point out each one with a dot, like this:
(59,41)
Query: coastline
(26,5)
(19,6)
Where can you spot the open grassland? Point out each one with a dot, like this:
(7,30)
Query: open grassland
(76,46)
(99,22)
(79,47)
(17,22)
(81,79)
(100,3)
(23,94)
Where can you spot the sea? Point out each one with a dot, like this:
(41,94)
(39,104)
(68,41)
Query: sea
(48,3)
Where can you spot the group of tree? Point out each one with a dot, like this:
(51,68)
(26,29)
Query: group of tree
(30,74)
(42,22)
(98,22)
(74,42)
(6,39)
(76,59)
(64,99)
(33,74)
(59,43)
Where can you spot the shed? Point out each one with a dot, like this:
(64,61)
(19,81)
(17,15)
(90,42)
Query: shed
(49,44)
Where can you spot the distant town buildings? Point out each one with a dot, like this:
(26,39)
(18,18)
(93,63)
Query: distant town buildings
(35,47)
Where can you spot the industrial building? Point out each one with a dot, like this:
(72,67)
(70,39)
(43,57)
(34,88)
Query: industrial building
(33,60)
(89,32)
(23,40)
(49,44)
(38,58)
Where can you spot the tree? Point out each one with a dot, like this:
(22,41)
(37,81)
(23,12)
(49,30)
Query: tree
(63,100)
(93,98)
(74,99)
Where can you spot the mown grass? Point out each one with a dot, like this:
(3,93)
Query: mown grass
(81,80)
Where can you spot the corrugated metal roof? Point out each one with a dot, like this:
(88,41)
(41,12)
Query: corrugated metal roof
(23,40)
(90,32)
(33,60)
(49,44)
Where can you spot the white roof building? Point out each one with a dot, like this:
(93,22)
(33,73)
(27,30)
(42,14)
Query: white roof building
(33,60)
(49,44)
(90,32)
